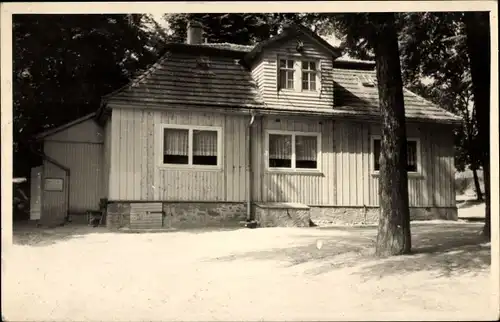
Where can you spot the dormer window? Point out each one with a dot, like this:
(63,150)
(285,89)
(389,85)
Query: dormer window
(309,73)
(298,74)
(286,71)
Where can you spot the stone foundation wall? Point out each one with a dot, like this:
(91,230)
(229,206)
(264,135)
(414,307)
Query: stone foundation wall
(282,217)
(203,214)
(369,215)
(179,215)
(446,213)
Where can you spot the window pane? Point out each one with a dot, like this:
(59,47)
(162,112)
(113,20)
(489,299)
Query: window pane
(305,81)
(282,63)
(312,84)
(175,146)
(309,65)
(412,156)
(308,81)
(280,151)
(376,155)
(290,63)
(204,147)
(289,79)
(282,79)
(306,152)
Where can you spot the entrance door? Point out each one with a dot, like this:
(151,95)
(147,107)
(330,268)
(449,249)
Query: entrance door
(36,193)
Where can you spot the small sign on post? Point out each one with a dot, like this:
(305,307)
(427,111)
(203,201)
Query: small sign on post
(53,184)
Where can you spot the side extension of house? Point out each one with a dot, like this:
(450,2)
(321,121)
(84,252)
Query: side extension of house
(70,181)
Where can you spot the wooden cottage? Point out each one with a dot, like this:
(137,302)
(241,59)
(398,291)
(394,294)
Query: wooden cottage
(286,132)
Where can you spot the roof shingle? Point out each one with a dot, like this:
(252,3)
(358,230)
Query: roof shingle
(351,95)
(208,79)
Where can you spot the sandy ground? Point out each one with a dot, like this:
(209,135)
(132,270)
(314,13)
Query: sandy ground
(89,274)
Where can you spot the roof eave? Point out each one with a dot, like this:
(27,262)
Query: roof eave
(44,134)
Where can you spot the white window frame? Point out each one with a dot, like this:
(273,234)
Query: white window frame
(293,167)
(297,71)
(293,69)
(309,71)
(190,128)
(417,153)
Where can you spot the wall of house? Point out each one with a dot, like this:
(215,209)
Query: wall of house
(80,148)
(435,184)
(134,174)
(346,178)
(265,73)
(106,158)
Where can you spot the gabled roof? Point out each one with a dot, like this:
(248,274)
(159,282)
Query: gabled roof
(204,74)
(63,127)
(289,32)
(213,75)
(353,96)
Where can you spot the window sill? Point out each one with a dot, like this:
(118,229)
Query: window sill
(300,92)
(189,168)
(296,172)
(310,92)
(412,175)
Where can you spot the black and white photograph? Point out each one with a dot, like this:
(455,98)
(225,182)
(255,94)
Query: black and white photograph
(250,161)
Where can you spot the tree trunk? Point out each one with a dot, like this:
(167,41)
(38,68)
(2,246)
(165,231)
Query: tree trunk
(477,26)
(479,194)
(487,217)
(393,236)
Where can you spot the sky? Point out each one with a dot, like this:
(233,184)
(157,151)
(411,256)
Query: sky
(158,18)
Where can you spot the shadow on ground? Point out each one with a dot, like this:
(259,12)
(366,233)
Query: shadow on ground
(28,234)
(443,249)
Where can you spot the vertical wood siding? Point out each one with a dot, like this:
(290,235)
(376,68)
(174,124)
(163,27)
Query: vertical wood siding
(136,176)
(107,159)
(434,186)
(85,163)
(87,131)
(347,178)
(351,153)
(265,73)
(80,148)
